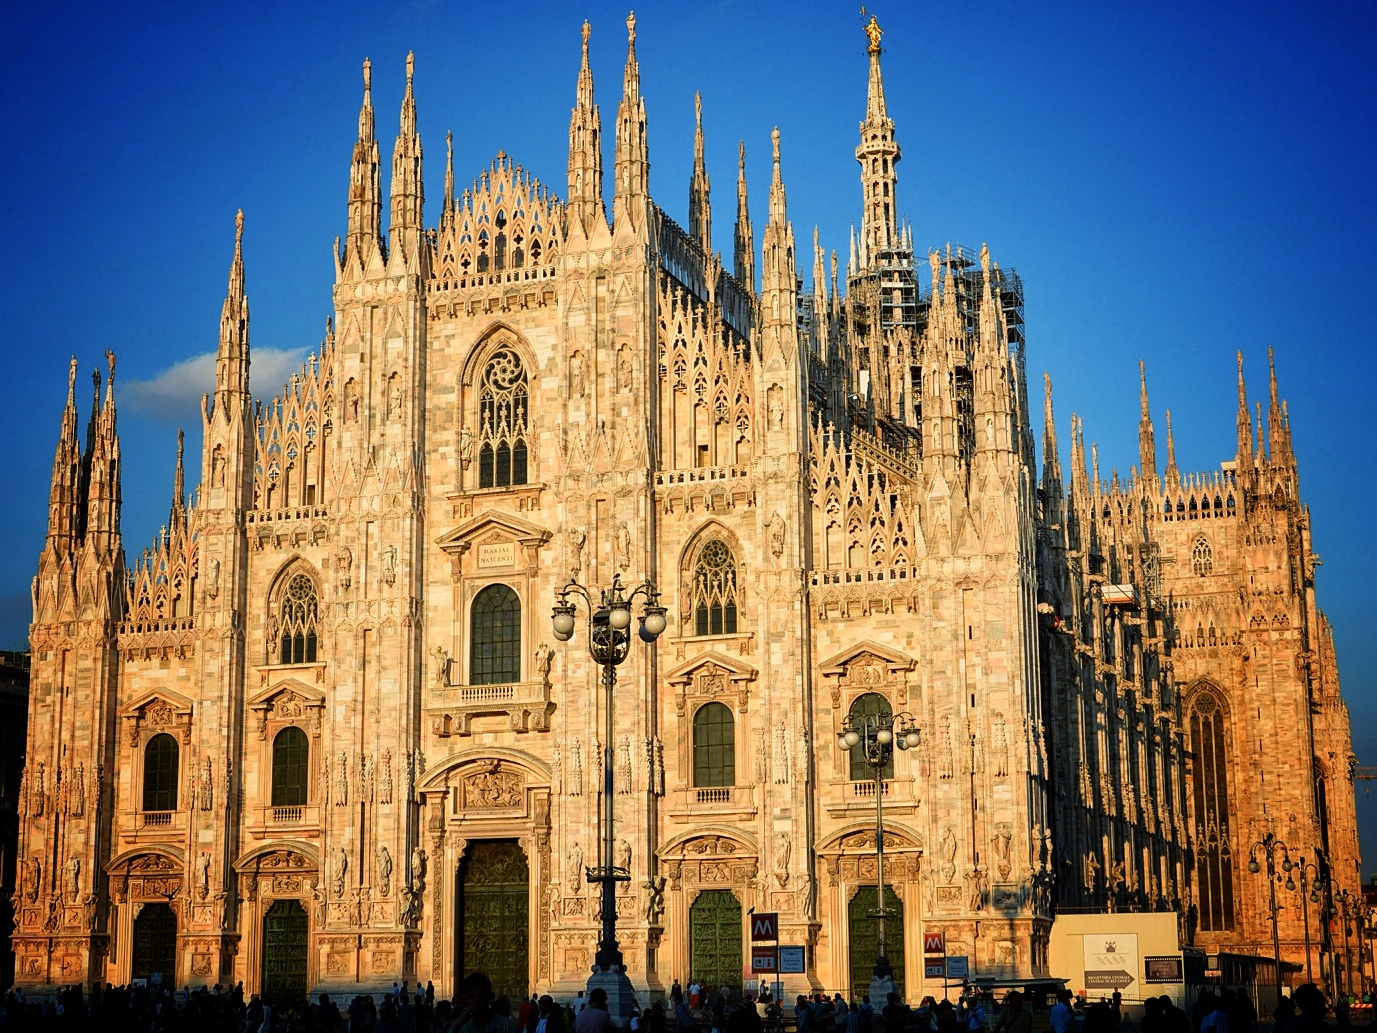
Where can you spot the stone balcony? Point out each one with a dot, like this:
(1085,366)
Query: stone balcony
(452,708)
(697,803)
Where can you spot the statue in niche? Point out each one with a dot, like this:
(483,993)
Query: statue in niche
(213,589)
(339,864)
(946,850)
(383,863)
(783,847)
(203,875)
(573,868)
(576,385)
(622,547)
(418,868)
(777,532)
(577,539)
(74,879)
(655,899)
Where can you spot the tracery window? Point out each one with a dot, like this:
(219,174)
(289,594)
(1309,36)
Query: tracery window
(291,755)
(1202,558)
(714,590)
(871,706)
(714,746)
(160,758)
(503,415)
(495,637)
(1210,787)
(297,616)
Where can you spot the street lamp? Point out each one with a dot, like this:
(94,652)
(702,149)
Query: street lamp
(609,642)
(1309,894)
(874,737)
(1270,846)
(1345,909)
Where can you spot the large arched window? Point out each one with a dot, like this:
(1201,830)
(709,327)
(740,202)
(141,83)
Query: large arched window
(714,746)
(291,757)
(871,706)
(297,614)
(503,411)
(495,637)
(1210,789)
(714,590)
(1202,557)
(160,773)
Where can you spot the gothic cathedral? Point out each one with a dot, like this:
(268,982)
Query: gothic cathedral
(333,742)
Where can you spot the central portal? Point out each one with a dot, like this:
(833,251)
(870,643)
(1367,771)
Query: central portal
(284,952)
(865,940)
(493,933)
(715,939)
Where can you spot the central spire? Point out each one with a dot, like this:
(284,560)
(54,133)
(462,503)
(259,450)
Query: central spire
(878,154)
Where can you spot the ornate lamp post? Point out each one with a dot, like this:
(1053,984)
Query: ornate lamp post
(1309,892)
(874,736)
(609,642)
(1344,907)
(1269,846)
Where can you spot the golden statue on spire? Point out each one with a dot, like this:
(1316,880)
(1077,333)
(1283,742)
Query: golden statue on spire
(873,30)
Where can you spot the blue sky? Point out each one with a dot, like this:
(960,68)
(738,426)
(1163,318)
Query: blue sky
(1173,182)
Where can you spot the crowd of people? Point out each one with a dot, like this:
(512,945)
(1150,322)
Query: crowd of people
(701,1009)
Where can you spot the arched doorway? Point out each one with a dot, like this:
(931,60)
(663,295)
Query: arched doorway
(284,951)
(864,937)
(493,927)
(155,943)
(715,939)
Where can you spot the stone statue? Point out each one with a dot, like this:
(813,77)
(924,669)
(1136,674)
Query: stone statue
(783,847)
(573,868)
(214,587)
(441,655)
(576,768)
(73,879)
(946,850)
(873,32)
(624,855)
(418,868)
(621,542)
(655,899)
(339,864)
(203,875)
(545,658)
(382,861)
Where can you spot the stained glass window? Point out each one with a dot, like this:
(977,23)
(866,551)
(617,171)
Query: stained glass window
(290,757)
(714,590)
(503,410)
(495,637)
(297,615)
(1214,861)
(714,746)
(160,773)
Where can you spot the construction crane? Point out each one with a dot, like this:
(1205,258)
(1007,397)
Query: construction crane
(1367,775)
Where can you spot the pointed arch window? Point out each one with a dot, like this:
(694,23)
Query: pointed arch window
(1210,788)
(714,746)
(298,613)
(160,762)
(503,419)
(870,706)
(1202,558)
(714,590)
(291,756)
(495,637)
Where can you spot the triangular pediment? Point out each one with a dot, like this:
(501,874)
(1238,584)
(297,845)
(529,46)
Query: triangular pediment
(734,669)
(179,704)
(309,694)
(493,526)
(868,650)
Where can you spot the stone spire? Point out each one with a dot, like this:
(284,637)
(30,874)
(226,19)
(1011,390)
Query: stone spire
(778,277)
(585,152)
(1147,443)
(102,463)
(631,166)
(365,187)
(878,154)
(1278,428)
(176,518)
(1173,473)
(232,356)
(1245,424)
(64,515)
(744,235)
(994,405)
(447,216)
(408,189)
(700,207)
(1051,459)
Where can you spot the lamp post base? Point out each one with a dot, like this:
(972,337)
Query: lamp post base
(621,996)
(881,986)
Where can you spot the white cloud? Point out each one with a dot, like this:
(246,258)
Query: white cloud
(176,391)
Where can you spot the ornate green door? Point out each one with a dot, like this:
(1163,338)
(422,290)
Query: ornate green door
(715,939)
(864,938)
(284,951)
(493,917)
(155,943)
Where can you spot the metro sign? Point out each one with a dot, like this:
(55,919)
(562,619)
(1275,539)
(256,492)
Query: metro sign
(765,925)
(934,943)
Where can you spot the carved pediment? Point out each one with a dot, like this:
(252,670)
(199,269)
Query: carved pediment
(160,710)
(868,655)
(291,700)
(493,528)
(492,784)
(710,675)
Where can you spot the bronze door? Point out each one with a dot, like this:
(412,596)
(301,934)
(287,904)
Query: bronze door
(284,952)
(715,939)
(155,944)
(864,939)
(493,917)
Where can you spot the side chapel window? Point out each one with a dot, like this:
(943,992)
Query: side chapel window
(714,746)
(1202,558)
(495,637)
(160,759)
(297,616)
(871,706)
(503,413)
(714,590)
(291,754)
(1210,787)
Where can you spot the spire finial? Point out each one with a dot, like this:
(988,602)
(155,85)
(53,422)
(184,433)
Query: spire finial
(71,381)
(774,141)
(698,108)
(631,31)
(873,32)
(587,31)
(367,75)
(239,231)
(1142,386)
(410,68)
(741,156)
